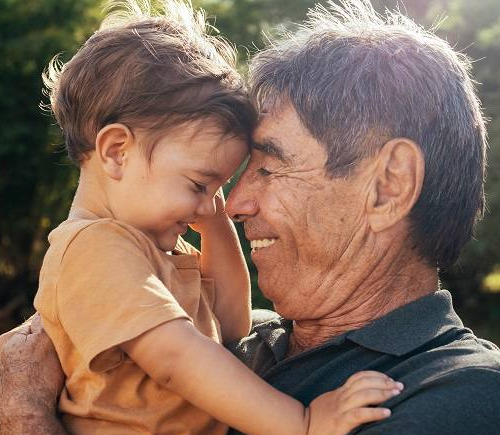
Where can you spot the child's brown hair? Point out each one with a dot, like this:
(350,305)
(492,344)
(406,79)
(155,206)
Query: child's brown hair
(147,70)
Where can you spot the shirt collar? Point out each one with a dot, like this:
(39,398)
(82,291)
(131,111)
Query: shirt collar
(276,334)
(397,333)
(184,256)
(410,326)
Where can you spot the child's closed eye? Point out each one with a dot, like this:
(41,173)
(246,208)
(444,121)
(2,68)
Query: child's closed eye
(200,188)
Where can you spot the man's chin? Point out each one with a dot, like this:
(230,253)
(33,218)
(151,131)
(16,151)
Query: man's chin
(267,288)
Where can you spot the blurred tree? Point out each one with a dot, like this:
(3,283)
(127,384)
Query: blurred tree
(36,183)
(243,22)
(474,28)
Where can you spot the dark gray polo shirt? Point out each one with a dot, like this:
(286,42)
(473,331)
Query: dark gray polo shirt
(451,377)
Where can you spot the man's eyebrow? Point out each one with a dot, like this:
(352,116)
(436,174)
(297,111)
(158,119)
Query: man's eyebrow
(273,148)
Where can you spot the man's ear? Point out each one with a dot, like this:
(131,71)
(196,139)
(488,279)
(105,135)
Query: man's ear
(399,175)
(112,145)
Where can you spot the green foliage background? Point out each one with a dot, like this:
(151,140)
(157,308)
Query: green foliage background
(37,182)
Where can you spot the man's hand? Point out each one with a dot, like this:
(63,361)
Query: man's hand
(31,380)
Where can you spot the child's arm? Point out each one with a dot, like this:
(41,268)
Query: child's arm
(223,260)
(183,360)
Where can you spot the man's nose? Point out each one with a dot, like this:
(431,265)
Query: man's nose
(242,202)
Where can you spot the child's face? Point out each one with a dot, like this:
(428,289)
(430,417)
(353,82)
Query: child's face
(178,186)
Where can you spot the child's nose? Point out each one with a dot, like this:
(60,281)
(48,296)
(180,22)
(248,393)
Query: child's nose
(207,207)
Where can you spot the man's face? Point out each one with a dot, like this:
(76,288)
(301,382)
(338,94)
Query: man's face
(304,226)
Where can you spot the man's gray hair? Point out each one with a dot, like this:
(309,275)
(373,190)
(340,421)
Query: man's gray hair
(357,79)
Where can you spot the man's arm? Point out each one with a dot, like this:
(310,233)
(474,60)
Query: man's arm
(31,380)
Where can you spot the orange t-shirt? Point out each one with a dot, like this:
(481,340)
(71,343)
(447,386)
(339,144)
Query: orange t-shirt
(103,283)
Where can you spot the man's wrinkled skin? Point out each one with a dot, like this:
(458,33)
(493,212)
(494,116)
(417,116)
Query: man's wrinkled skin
(30,380)
(342,252)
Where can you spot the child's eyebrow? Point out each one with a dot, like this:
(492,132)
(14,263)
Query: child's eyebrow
(209,173)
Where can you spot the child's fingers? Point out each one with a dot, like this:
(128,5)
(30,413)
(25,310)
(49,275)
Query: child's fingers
(371,380)
(219,196)
(366,374)
(366,397)
(355,417)
(370,373)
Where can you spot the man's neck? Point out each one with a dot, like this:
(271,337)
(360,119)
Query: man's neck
(369,299)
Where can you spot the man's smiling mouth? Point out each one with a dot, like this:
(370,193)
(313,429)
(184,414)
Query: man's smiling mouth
(261,243)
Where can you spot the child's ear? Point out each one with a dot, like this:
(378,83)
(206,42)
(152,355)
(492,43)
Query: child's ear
(112,146)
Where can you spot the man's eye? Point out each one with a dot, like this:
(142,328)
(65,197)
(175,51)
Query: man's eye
(264,172)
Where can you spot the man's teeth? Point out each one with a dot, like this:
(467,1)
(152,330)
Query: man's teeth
(263,243)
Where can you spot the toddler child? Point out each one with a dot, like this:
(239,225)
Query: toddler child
(157,119)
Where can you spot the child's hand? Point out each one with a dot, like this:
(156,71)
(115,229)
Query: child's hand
(211,222)
(340,411)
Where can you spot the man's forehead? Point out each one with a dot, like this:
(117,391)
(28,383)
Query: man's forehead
(273,118)
(265,118)
(266,139)
(269,127)
(275,133)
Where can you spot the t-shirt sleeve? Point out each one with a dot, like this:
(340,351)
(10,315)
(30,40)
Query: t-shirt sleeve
(108,293)
(463,402)
(184,247)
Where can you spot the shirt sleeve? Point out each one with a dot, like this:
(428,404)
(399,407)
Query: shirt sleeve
(108,293)
(463,402)
(184,247)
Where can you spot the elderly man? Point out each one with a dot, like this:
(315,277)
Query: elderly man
(366,176)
